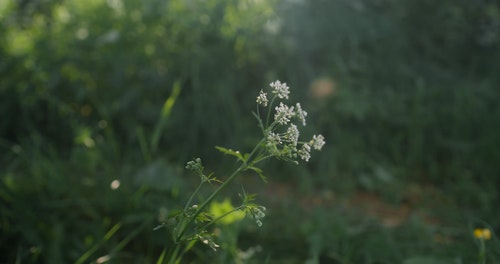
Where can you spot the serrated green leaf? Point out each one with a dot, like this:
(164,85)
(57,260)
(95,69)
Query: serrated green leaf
(231,152)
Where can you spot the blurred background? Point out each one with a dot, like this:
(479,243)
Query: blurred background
(102,103)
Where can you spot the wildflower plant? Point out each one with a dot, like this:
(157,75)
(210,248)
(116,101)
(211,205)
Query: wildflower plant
(280,139)
(482,234)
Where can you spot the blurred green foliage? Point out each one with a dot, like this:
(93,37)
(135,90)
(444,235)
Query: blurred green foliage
(406,92)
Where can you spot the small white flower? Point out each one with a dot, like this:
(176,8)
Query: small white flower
(273,138)
(280,89)
(283,114)
(258,214)
(317,142)
(305,152)
(207,240)
(301,114)
(262,98)
(292,134)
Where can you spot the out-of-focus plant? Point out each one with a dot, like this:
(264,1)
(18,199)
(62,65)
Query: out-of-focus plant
(482,234)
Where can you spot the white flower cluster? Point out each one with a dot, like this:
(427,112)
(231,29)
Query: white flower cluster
(262,98)
(274,138)
(258,214)
(286,145)
(292,135)
(280,89)
(316,143)
(305,152)
(283,114)
(301,114)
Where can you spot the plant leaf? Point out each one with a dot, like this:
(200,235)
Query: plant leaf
(231,152)
(259,172)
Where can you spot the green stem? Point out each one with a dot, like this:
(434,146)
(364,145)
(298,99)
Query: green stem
(259,120)
(209,199)
(192,196)
(261,159)
(253,152)
(269,110)
(220,217)
(482,251)
(241,168)
(173,256)
(185,225)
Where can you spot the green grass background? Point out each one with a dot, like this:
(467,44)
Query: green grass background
(97,91)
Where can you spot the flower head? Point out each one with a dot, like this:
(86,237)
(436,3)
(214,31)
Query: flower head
(301,114)
(482,233)
(285,144)
(292,134)
(258,214)
(262,98)
(195,165)
(283,114)
(317,142)
(305,152)
(273,138)
(280,89)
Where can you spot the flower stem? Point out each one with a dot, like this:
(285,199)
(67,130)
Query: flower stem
(482,252)
(241,168)
(192,196)
(184,225)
